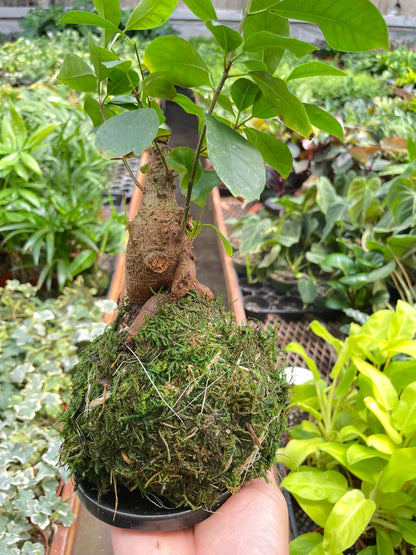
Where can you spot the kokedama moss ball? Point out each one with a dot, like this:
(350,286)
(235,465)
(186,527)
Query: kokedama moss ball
(190,407)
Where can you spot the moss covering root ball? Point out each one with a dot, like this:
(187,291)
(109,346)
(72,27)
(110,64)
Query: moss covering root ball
(190,407)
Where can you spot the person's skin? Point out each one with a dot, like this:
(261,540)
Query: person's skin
(254,521)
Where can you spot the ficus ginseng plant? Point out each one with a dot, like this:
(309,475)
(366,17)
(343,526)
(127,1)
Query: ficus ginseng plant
(121,99)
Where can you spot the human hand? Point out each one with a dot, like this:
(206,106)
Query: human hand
(254,521)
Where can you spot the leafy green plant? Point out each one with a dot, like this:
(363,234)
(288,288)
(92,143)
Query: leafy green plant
(51,179)
(39,346)
(352,460)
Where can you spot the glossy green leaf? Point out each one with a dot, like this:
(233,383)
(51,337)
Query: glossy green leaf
(313,69)
(266,39)
(77,74)
(121,82)
(203,188)
(236,161)
(149,14)
(380,384)
(316,484)
(349,27)
(404,415)
(299,349)
(203,9)
(289,108)
(323,120)
(408,529)
(227,246)
(181,159)
(261,21)
(159,88)
(347,521)
(401,199)
(361,193)
(317,512)
(243,92)
(80,17)
(98,56)
(19,126)
(403,322)
(304,544)
(227,38)
(274,151)
(382,443)
(110,10)
(188,106)
(297,451)
(400,469)
(384,418)
(179,58)
(129,132)
(307,290)
(342,261)
(93,110)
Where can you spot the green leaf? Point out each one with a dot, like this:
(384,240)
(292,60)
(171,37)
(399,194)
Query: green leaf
(93,110)
(296,452)
(403,323)
(204,186)
(380,384)
(19,126)
(188,106)
(401,199)
(236,161)
(39,135)
(264,20)
(361,193)
(109,10)
(404,415)
(347,521)
(342,261)
(121,82)
(243,92)
(203,9)
(228,248)
(322,120)
(304,544)
(84,260)
(384,418)
(289,108)
(181,159)
(265,39)
(179,59)
(226,37)
(77,74)
(408,529)
(349,27)
(313,69)
(129,132)
(149,14)
(274,151)
(159,88)
(307,290)
(316,484)
(80,17)
(400,469)
(98,56)
(30,163)
(298,349)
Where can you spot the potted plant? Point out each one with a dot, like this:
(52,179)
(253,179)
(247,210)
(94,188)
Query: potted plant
(351,459)
(175,399)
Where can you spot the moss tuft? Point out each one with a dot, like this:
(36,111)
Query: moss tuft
(190,407)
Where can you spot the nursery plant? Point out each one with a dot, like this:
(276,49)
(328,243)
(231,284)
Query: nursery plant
(40,343)
(200,411)
(352,458)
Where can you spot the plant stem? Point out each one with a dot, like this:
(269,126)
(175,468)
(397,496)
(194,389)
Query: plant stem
(131,174)
(217,93)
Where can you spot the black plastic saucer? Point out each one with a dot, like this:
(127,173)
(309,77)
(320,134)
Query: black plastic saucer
(136,512)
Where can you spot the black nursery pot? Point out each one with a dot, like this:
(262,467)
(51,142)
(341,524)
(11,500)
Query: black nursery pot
(136,512)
